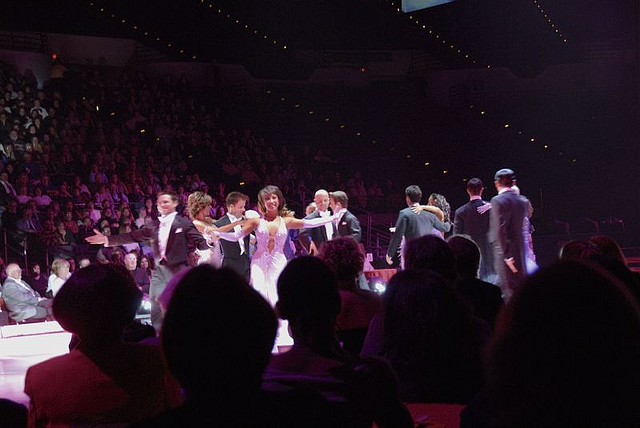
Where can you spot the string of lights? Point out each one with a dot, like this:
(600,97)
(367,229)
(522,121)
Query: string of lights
(250,29)
(552,24)
(471,60)
(439,37)
(312,112)
(168,44)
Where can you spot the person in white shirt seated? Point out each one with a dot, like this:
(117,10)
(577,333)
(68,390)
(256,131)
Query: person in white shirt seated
(59,275)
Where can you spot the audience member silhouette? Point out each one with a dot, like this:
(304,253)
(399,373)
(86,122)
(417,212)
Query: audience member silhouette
(565,353)
(484,298)
(430,338)
(218,355)
(103,380)
(359,306)
(431,252)
(360,391)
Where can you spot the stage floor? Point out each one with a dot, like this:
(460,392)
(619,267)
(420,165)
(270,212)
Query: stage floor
(22,346)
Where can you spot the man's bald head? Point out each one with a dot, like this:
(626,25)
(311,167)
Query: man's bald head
(321,198)
(14,271)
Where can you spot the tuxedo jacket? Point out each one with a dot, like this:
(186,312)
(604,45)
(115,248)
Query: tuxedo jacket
(349,225)
(508,211)
(468,221)
(411,226)
(240,263)
(183,237)
(317,235)
(21,301)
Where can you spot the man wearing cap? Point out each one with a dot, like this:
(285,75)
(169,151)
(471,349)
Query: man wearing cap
(508,211)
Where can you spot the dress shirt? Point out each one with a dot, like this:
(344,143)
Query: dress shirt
(236,228)
(163,232)
(339,216)
(328,227)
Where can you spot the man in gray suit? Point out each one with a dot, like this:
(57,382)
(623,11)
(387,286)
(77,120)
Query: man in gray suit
(21,300)
(411,225)
(508,211)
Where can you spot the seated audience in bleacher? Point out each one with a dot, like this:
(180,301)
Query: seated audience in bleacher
(103,380)
(360,390)
(565,354)
(358,306)
(218,354)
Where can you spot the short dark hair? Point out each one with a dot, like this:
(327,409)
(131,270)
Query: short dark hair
(467,255)
(340,197)
(169,192)
(433,253)
(475,186)
(414,193)
(234,197)
(195,337)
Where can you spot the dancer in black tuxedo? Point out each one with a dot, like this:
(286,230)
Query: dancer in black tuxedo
(412,225)
(347,224)
(172,235)
(468,221)
(236,254)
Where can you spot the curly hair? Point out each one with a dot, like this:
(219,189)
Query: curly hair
(282,204)
(343,257)
(440,201)
(196,202)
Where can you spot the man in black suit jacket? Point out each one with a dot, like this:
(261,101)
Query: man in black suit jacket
(347,223)
(508,210)
(468,221)
(235,254)
(311,239)
(411,225)
(172,236)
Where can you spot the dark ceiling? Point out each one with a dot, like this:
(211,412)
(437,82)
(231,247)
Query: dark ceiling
(507,33)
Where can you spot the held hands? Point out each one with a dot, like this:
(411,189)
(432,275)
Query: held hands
(389,260)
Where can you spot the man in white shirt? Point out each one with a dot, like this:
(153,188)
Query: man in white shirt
(172,236)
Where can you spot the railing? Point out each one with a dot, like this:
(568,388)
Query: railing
(25,41)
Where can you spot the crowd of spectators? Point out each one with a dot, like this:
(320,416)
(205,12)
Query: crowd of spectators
(87,152)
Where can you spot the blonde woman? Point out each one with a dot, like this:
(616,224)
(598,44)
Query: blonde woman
(59,275)
(199,206)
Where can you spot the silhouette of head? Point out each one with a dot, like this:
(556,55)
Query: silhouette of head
(98,301)
(218,333)
(433,253)
(566,351)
